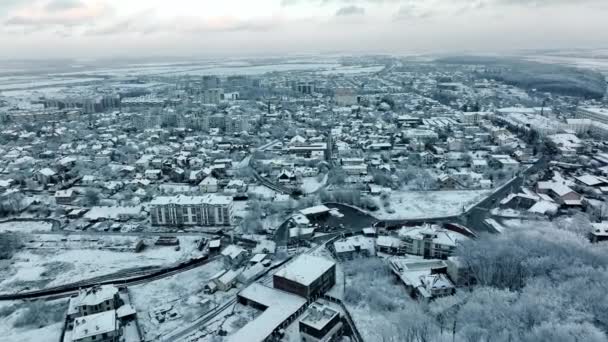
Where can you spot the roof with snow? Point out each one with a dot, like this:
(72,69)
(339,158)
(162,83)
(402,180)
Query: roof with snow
(280,305)
(316,210)
(212,199)
(96,295)
(306,269)
(96,324)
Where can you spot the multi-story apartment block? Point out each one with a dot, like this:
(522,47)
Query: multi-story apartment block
(207,210)
(431,242)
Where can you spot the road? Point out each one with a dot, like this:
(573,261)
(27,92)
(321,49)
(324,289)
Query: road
(474,217)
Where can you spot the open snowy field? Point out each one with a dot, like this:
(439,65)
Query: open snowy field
(57,260)
(312,184)
(181,294)
(427,204)
(25,226)
(31,322)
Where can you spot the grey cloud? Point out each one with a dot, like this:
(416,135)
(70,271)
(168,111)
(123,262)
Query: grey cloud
(350,10)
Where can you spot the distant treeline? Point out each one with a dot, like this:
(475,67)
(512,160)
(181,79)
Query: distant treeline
(553,78)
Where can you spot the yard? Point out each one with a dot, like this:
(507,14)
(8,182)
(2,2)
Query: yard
(179,296)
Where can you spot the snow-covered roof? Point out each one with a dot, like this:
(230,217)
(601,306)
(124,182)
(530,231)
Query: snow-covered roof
(96,324)
(233,251)
(591,180)
(212,199)
(318,316)
(280,305)
(388,241)
(306,269)
(319,209)
(558,188)
(96,295)
(47,172)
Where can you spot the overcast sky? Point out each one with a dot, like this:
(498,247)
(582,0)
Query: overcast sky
(109,28)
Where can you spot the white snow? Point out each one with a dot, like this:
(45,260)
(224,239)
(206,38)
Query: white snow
(25,226)
(183,292)
(428,204)
(311,184)
(84,257)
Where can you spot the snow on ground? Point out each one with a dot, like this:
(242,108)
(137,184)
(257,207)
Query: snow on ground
(427,204)
(527,224)
(262,191)
(25,226)
(311,184)
(49,261)
(183,292)
(375,313)
(48,329)
(239,208)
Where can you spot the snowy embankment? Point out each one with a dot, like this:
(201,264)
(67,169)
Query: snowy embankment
(58,260)
(25,226)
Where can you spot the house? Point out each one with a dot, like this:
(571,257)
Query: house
(435,285)
(306,276)
(389,245)
(320,323)
(430,241)
(233,256)
(65,197)
(479,165)
(100,327)
(94,300)
(153,174)
(446,182)
(45,176)
(351,247)
(425,279)
(599,231)
(355,170)
(236,186)
(227,280)
(209,184)
(286,176)
(560,193)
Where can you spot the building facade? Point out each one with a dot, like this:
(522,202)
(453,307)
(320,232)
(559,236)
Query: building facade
(207,210)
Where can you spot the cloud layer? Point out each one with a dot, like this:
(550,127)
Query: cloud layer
(268,26)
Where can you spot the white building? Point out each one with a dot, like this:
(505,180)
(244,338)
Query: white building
(593,113)
(207,210)
(429,241)
(100,327)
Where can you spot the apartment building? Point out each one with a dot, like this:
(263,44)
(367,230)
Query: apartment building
(207,210)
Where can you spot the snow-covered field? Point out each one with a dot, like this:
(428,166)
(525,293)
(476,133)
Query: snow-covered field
(183,292)
(12,328)
(262,191)
(427,204)
(49,261)
(311,184)
(25,226)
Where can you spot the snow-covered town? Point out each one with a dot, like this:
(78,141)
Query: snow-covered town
(318,198)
